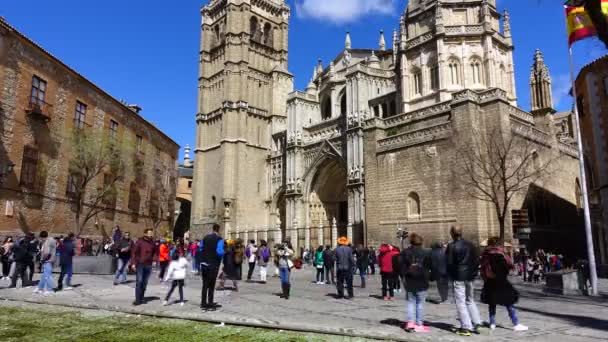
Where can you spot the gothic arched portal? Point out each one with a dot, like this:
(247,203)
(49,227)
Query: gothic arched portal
(328,198)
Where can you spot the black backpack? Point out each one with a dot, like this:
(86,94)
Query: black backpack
(415,269)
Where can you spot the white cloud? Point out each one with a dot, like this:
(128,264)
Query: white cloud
(561,92)
(343,11)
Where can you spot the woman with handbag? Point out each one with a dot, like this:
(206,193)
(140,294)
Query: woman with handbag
(285,253)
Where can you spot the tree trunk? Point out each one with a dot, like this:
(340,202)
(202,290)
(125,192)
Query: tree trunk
(501,225)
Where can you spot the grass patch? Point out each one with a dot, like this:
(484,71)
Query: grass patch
(24,324)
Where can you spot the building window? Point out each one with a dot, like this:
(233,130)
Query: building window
(454,67)
(413,205)
(476,71)
(435,77)
(79,115)
(38,91)
(417,83)
(326,114)
(267,34)
(580,105)
(109,196)
(502,78)
(113,130)
(134,198)
(154,205)
(72,185)
(253,28)
(214,202)
(29,167)
(189,184)
(139,143)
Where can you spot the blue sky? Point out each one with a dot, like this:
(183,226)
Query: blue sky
(145,51)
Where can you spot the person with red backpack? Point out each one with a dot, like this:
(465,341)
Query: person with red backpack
(497,290)
(415,268)
(263,259)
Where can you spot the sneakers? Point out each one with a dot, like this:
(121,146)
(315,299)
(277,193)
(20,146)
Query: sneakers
(68,288)
(165,303)
(37,290)
(47,293)
(520,327)
(463,332)
(410,326)
(421,328)
(181,303)
(492,326)
(391,298)
(385,298)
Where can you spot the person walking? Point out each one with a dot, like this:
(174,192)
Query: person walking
(263,259)
(497,290)
(345,264)
(362,263)
(416,270)
(385,261)
(163,258)
(22,259)
(6,251)
(372,261)
(328,263)
(318,263)
(66,257)
(211,252)
(284,254)
(463,265)
(250,254)
(177,274)
(142,257)
(122,253)
(239,255)
(229,271)
(439,271)
(47,258)
(33,249)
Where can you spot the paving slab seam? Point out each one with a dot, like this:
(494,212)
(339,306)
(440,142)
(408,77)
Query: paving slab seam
(287,327)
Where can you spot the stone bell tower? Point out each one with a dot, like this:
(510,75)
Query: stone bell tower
(242,93)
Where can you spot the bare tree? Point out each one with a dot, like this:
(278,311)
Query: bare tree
(161,198)
(599,19)
(494,167)
(97,164)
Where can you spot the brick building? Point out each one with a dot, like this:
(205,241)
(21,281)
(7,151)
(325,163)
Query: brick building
(592,93)
(43,103)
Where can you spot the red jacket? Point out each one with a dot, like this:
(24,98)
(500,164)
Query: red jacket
(386,258)
(143,252)
(163,252)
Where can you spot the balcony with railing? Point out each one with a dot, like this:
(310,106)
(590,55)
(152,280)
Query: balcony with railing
(39,108)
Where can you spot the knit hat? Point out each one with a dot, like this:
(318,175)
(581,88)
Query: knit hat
(343,241)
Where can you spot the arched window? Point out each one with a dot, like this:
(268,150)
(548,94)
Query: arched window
(454,68)
(213,203)
(154,205)
(502,78)
(416,82)
(413,205)
(579,195)
(217,34)
(253,28)
(343,102)
(134,198)
(393,108)
(476,71)
(267,34)
(326,109)
(435,77)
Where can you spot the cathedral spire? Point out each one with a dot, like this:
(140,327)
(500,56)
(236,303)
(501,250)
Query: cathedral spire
(320,67)
(347,43)
(395,46)
(540,84)
(187,162)
(382,42)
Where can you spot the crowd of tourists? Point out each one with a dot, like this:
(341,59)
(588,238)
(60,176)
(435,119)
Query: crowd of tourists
(215,259)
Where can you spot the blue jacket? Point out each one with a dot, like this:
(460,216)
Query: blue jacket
(66,254)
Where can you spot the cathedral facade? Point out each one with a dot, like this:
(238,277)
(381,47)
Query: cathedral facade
(368,147)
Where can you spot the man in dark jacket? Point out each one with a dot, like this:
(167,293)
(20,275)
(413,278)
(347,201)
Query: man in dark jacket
(211,251)
(66,256)
(122,253)
(362,263)
(440,271)
(142,257)
(463,266)
(345,263)
(328,263)
(22,259)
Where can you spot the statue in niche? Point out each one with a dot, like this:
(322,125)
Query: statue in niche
(299,184)
(227,211)
(356,176)
(347,58)
(298,136)
(351,173)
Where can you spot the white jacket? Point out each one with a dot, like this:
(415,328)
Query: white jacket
(254,250)
(177,269)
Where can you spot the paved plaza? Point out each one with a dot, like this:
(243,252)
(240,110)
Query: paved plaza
(314,308)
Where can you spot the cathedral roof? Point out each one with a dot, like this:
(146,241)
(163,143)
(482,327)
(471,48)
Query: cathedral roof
(280,68)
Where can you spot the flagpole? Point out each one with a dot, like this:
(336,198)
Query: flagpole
(581,160)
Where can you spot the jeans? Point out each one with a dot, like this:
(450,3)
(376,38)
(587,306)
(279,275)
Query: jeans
(415,306)
(510,309)
(66,270)
(345,276)
(284,275)
(329,275)
(19,272)
(362,274)
(319,274)
(263,273)
(250,271)
(121,270)
(465,304)
(443,287)
(372,268)
(46,279)
(176,283)
(209,276)
(387,284)
(163,269)
(141,282)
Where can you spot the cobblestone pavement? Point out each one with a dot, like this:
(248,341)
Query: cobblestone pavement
(314,308)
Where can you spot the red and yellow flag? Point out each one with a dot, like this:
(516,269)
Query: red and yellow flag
(579,23)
